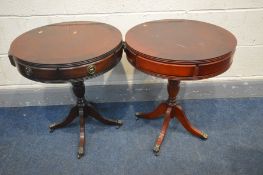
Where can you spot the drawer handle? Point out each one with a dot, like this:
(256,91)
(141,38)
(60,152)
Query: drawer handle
(28,71)
(91,69)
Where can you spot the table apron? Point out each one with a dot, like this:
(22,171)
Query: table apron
(61,75)
(179,71)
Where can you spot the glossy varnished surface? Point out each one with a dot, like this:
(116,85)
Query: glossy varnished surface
(180,49)
(67,42)
(66,51)
(180,41)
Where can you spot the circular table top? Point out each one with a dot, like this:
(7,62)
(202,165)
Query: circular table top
(180,41)
(67,42)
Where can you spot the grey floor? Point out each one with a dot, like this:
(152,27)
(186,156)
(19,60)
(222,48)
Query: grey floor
(235,144)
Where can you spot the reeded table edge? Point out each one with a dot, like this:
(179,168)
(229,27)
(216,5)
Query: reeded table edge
(179,62)
(184,62)
(14,59)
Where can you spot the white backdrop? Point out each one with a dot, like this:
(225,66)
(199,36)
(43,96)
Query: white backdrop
(244,18)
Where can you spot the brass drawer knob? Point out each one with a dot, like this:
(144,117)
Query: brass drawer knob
(28,71)
(91,69)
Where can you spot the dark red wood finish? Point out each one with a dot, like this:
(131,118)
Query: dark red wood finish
(178,50)
(64,51)
(69,52)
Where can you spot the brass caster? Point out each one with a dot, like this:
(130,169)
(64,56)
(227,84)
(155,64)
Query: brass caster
(156,150)
(138,114)
(204,136)
(80,153)
(51,127)
(119,124)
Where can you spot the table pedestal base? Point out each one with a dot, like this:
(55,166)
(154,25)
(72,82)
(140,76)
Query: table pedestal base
(171,109)
(82,109)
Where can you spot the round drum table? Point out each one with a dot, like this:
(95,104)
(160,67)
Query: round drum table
(178,50)
(69,52)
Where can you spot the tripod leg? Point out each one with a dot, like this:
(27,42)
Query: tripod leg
(93,113)
(162,134)
(180,115)
(158,111)
(82,133)
(72,115)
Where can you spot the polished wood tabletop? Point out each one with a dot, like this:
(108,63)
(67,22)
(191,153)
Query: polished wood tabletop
(67,42)
(66,51)
(183,49)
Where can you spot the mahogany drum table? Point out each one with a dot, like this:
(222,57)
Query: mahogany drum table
(178,50)
(69,52)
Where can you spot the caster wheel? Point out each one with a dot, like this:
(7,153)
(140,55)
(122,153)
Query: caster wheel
(51,128)
(119,124)
(204,136)
(156,150)
(138,114)
(80,153)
